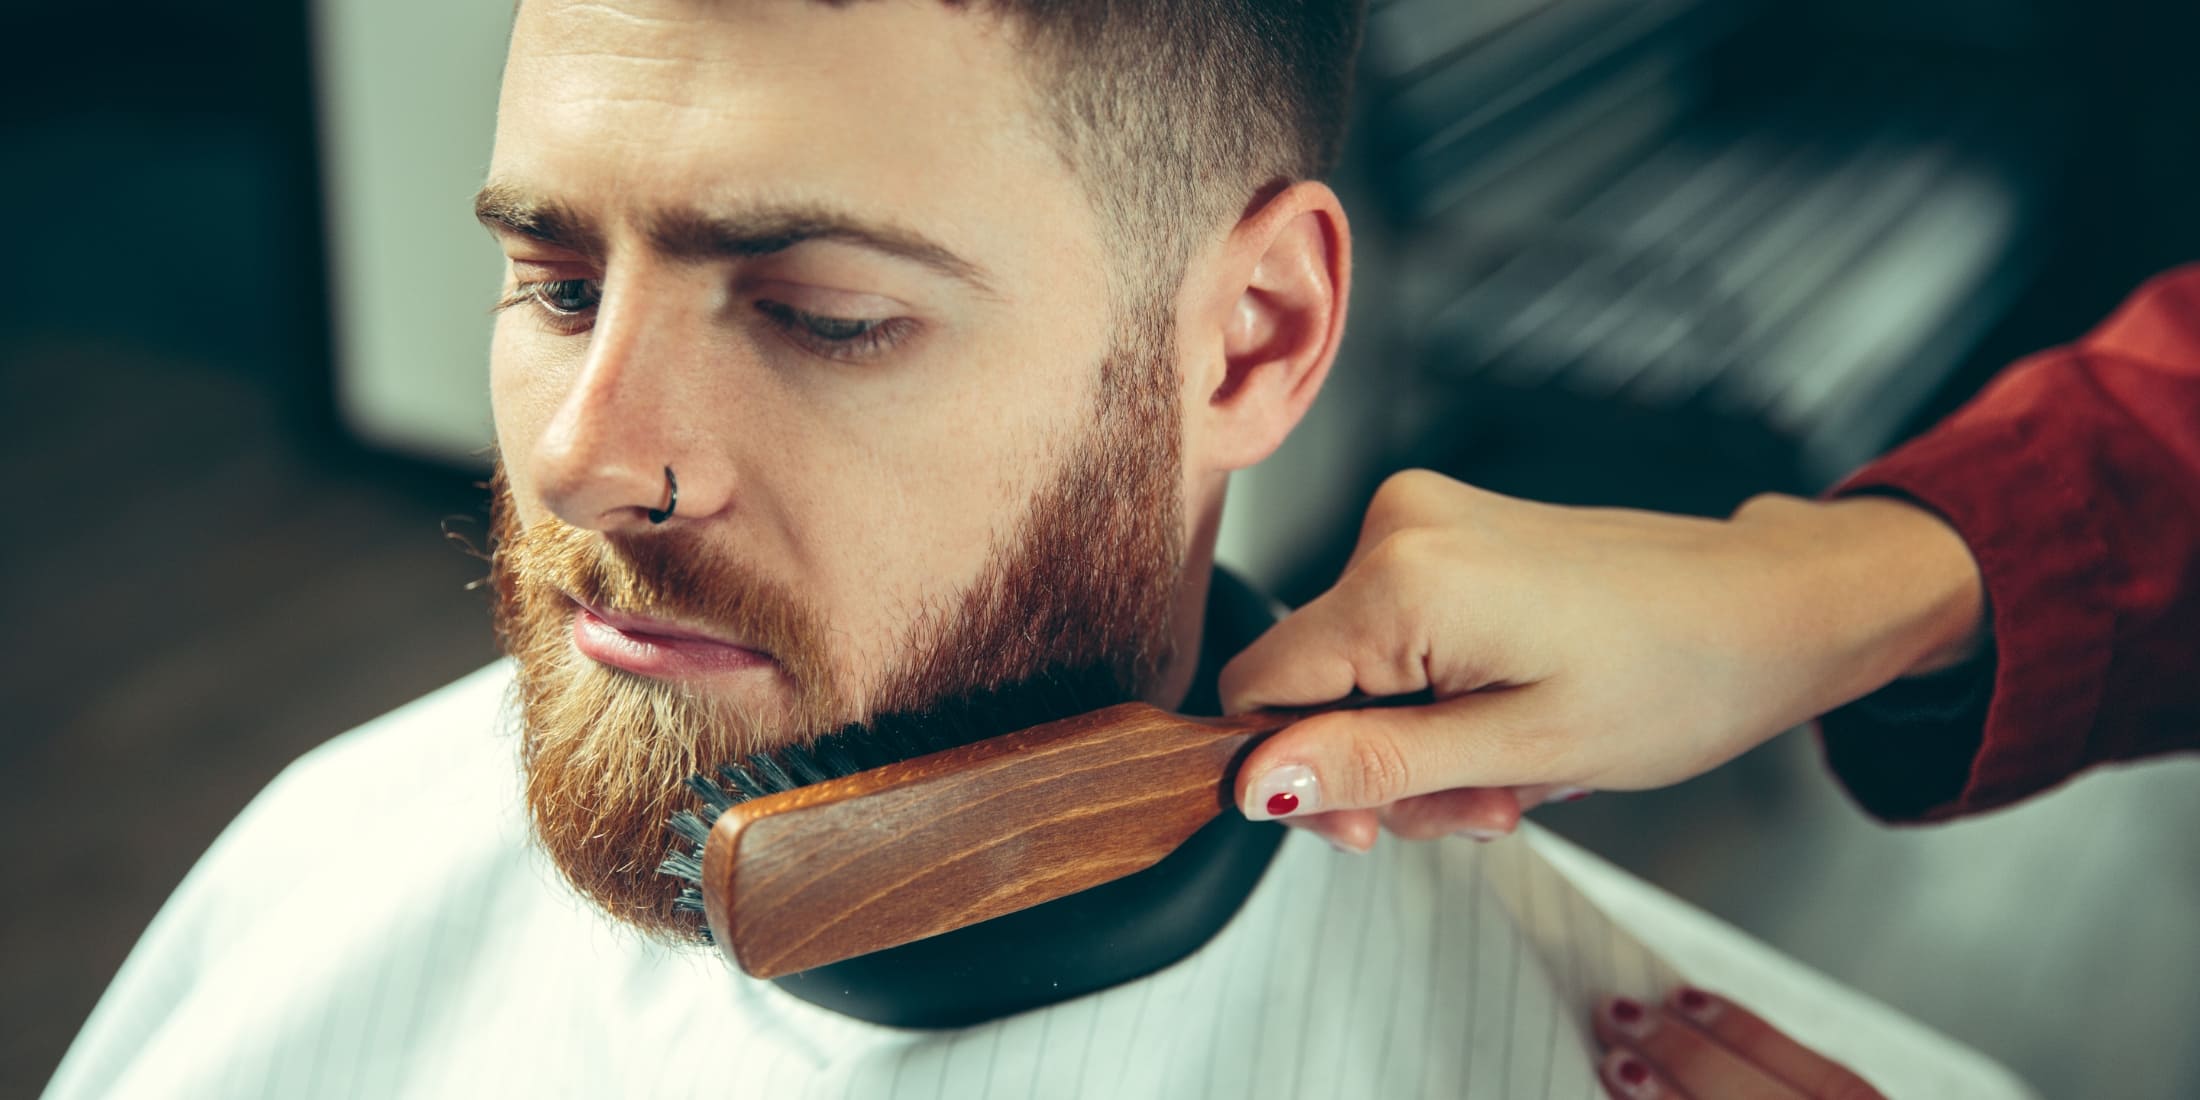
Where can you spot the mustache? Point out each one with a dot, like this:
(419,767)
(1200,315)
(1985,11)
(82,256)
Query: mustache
(673,576)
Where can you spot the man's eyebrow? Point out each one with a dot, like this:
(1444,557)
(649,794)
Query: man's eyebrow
(773,228)
(696,235)
(508,209)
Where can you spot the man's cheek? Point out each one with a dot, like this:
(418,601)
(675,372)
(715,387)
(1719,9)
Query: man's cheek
(530,372)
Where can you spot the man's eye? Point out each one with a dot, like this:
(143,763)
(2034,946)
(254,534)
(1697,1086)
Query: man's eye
(567,297)
(851,339)
(567,305)
(837,328)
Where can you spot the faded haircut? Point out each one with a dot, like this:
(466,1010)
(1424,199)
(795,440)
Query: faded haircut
(1179,114)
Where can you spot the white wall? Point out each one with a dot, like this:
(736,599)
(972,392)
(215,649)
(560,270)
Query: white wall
(408,102)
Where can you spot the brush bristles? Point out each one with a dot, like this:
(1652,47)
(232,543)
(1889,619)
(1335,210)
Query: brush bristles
(687,826)
(859,748)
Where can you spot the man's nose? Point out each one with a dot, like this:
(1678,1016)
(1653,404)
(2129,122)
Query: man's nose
(623,453)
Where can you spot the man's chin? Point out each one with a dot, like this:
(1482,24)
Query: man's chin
(608,753)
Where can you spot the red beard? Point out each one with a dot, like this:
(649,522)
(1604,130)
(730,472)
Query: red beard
(1089,580)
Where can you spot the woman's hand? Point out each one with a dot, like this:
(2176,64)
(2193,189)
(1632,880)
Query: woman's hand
(1698,1046)
(1582,648)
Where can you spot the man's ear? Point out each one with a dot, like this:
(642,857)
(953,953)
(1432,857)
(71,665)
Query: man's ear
(1278,300)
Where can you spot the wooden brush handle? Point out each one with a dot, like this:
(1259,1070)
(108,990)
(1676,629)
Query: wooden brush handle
(880,858)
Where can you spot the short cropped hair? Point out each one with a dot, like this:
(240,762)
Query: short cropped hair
(1178,114)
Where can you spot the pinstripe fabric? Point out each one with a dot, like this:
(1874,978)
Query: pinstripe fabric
(376,924)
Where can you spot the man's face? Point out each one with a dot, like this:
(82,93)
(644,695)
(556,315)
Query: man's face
(825,265)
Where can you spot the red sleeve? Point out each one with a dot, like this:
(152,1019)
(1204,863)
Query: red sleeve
(2075,479)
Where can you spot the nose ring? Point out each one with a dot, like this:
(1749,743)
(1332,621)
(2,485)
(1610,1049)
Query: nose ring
(672,500)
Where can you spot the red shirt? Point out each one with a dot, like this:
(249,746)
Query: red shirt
(2075,479)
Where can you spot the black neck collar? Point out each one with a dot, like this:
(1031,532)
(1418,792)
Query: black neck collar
(1089,941)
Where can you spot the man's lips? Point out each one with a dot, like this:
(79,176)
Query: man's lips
(660,650)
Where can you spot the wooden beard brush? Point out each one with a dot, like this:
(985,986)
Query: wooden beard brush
(869,838)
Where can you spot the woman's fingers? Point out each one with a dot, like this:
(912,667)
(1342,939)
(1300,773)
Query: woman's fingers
(1741,1031)
(1689,1059)
(1709,1048)
(1626,1076)
(1362,635)
(1348,830)
(1483,813)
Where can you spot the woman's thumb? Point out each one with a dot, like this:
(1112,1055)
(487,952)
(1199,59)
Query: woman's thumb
(1367,759)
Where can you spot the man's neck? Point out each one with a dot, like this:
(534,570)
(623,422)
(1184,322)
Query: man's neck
(1191,670)
(1088,941)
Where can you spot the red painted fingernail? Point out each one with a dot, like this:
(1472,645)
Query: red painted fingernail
(1696,1004)
(1630,1076)
(1629,1017)
(1284,791)
(1568,794)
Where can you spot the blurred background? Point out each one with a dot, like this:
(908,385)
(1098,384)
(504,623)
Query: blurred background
(1660,253)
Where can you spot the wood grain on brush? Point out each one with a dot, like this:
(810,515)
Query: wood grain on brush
(877,859)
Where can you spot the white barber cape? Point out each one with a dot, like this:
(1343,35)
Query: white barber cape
(378,923)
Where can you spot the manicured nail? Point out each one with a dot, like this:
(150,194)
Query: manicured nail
(1343,847)
(1483,836)
(1630,1075)
(1283,792)
(1567,794)
(1629,1018)
(1696,1004)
